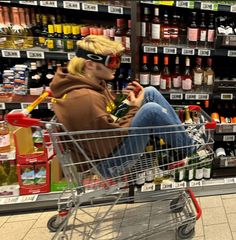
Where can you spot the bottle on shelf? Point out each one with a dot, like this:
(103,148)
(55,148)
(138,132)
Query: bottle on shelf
(207,170)
(202,32)
(199,172)
(144,76)
(182,31)
(37,30)
(51,41)
(211,32)
(58,36)
(128,37)
(176,76)
(209,75)
(29,43)
(192,32)
(156,27)
(198,74)
(35,84)
(68,44)
(165,82)
(155,75)
(44,32)
(146,25)
(187,77)
(174,35)
(49,75)
(190,169)
(149,172)
(3,30)
(165,30)
(120,33)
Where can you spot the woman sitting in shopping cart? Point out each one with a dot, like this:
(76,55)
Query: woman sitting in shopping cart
(84,102)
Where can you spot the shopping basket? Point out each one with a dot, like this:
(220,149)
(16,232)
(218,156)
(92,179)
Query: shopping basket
(95,170)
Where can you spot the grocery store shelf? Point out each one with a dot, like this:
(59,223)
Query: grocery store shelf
(75,5)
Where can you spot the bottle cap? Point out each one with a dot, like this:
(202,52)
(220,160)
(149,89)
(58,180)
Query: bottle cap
(129,23)
(155,59)
(144,59)
(166,60)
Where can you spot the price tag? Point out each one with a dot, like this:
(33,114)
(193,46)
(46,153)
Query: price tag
(231,53)
(209,6)
(11,53)
(228,138)
(28,2)
(233,8)
(226,96)
(25,105)
(183,4)
(187,51)
(234,128)
(50,106)
(176,96)
(2,106)
(169,50)
(71,5)
(195,184)
(149,49)
(27,198)
(48,3)
(204,52)
(35,54)
(115,10)
(203,96)
(190,96)
(148,187)
(165,186)
(90,7)
(125,59)
(10,200)
(229,180)
(70,55)
(180,184)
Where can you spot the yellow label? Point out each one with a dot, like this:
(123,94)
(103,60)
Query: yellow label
(50,43)
(42,40)
(168,3)
(69,44)
(110,107)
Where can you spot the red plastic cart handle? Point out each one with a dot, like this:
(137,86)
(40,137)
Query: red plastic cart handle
(195,202)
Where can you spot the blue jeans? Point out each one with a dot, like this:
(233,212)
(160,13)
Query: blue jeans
(153,115)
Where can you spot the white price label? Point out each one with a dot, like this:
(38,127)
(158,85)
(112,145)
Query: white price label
(226,96)
(25,105)
(115,10)
(203,96)
(35,54)
(234,128)
(228,138)
(2,106)
(148,187)
(165,186)
(125,59)
(233,8)
(71,5)
(149,49)
(176,96)
(70,55)
(169,50)
(180,184)
(50,106)
(188,51)
(231,53)
(195,184)
(183,4)
(204,52)
(48,3)
(90,7)
(11,53)
(190,96)
(229,180)
(28,2)
(27,198)
(207,6)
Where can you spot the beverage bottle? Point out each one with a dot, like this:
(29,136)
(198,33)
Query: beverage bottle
(149,172)
(37,30)
(198,74)
(188,119)
(128,37)
(3,30)
(51,41)
(202,32)
(44,32)
(156,27)
(58,36)
(211,32)
(179,174)
(49,74)
(128,78)
(192,32)
(35,83)
(174,30)
(4,137)
(120,33)
(189,172)
(187,77)
(207,170)
(146,25)
(165,30)
(199,172)
(165,83)
(144,72)
(155,73)
(121,78)
(176,75)
(182,31)
(67,41)
(29,43)
(209,75)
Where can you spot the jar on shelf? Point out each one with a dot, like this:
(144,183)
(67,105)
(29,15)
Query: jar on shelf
(4,137)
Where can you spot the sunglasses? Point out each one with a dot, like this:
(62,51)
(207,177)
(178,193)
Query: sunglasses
(111,61)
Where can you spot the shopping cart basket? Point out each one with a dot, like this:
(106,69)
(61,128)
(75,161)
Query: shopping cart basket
(95,169)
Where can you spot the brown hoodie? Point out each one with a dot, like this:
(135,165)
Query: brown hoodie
(81,105)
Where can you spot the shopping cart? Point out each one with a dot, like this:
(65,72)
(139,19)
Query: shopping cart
(92,168)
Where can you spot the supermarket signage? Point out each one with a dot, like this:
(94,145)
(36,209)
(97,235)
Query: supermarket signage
(70,55)
(115,10)
(90,7)
(28,2)
(169,50)
(201,96)
(48,3)
(2,106)
(25,105)
(176,96)
(35,54)
(231,53)
(11,53)
(125,59)
(183,4)
(71,5)
(18,199)
(233,8)
(204,52)
(187,51)
(209,6)
(148,187)
(229,138)
(150,49)
(226,96)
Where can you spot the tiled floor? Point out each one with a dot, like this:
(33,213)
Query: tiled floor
(218,221)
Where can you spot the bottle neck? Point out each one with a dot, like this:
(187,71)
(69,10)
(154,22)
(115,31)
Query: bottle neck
(16,17)
(1,17)
(22,17)
(6,16)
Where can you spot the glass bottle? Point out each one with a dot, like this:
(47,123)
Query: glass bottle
(37,29)
(198,74)
(165,30)
(207,170)
(146,25)
(174,30)
(58,36)
(128,37)
(35,83)
(182,31)
(202,32)
(4,137)
(49,74)
(144,72)
(192,32)
(51,41)
(211,32)
(119,33)
(156,26)
(7,28)
(29,43)
(188,119)
(3,30)
(209,75)
(176,75)
(44,32)
(199,172)
(155,73)
(67,41)
(165,83)
(187,77)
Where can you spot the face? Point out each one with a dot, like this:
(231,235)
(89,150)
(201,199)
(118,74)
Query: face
(102,72)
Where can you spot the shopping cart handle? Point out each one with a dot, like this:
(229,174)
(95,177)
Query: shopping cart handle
(22,120)
(195,202)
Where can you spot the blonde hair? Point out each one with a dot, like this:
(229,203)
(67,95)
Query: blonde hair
(97,44)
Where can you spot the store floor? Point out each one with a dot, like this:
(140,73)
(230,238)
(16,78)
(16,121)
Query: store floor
(218,222)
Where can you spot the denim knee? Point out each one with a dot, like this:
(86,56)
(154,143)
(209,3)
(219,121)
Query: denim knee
(151,108)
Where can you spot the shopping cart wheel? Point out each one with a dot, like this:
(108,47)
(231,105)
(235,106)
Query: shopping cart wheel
(54,224)
(177,205)
(185,233)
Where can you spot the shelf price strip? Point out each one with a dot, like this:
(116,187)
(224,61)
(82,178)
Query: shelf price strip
(209,6)
(231,53)
(71,5)
(233,8)
(229,138)
(204,52)
(34,3)
(176,96)
(192,96)
(48,3)
(115,10)
(11,53)
(226,96)
(35,54)
(150,49)
(169,50)
(187,51)
(90,7)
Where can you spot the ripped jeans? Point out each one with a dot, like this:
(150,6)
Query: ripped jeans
(155,112)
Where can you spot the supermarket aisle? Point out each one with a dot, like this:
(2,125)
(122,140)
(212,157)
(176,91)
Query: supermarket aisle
(217,223)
